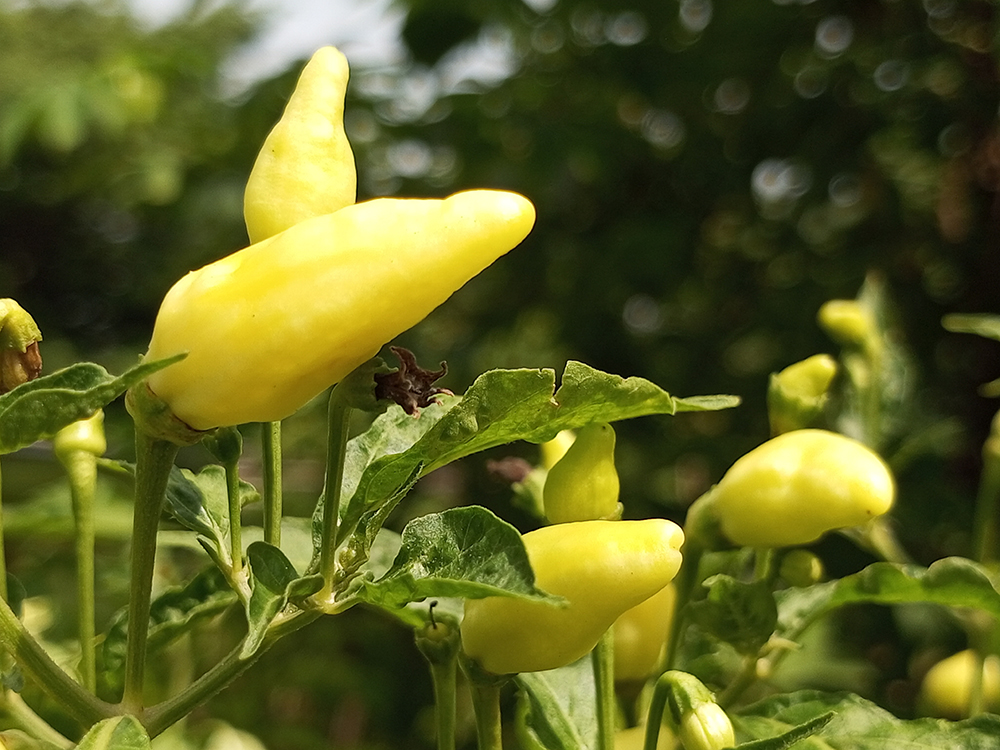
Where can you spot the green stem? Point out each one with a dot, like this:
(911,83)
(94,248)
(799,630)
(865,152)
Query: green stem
(336,451)
(443,676)
(654,717)
(19,715)
(158,718)
(38,665)
(603,662)
(271,447)
(986,531)
(154,460)
(235,516)
(3,555)
(486,704)
(82,471)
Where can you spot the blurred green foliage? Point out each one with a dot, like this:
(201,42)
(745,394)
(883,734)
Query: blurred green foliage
(706,175)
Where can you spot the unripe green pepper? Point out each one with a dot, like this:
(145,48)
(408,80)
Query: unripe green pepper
(305,167)
(800,568)
(796,487)
(271,326)
(641,635)
(601,569)
(797,396)
(583,484)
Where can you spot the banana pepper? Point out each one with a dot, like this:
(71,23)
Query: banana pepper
(796,487)
(583,484)
(600,568)
(271,326)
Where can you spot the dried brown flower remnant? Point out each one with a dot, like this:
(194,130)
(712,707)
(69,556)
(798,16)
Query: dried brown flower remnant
(20,359)
(411,386)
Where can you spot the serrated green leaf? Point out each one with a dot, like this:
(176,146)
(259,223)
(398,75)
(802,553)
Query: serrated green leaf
(274,582)
(740,613)
(859,724)
(951,582)
(558,707)
(503,406)
(118,733)
(463,552)
(40,408)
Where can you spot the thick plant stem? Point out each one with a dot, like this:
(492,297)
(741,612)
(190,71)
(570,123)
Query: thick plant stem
(3,553)
(82,472)
(336,450)
(603,661)
(271,452)
(38,665)
(154,460)
(486,704)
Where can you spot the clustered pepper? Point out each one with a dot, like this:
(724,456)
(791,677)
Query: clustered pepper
(600,568)
(583,484)
(796,487)
(326,282)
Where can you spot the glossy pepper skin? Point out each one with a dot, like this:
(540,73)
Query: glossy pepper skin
(583,485)
(601,569)
(305,167)
(273,325)
(796,487)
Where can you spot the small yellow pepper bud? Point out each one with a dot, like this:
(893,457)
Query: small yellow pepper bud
(641,635)
(946,689)
(20,360)
(796,487)
(305,167)
(800,567)
(797,396)
(700,722)
(269,327)
(583,485)
(85,435)
(848,322)
(601,569)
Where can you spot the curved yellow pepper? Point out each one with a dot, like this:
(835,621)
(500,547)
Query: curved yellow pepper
(305,167)
(796,487)
(583,485)
(273,325)
(601,569)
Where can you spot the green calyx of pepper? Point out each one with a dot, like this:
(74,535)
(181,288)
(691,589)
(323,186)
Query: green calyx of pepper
(599,568)
(583,484)
(796,487)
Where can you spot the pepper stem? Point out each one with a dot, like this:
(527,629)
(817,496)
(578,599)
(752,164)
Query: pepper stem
(154,460)
(338,424)
(3,554)
(603,662)
(271,449)
(82,472)
(486,705)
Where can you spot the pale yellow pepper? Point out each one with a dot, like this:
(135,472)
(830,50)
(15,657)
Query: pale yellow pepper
(305,167)
(269,327)
(641,635)
(600,568)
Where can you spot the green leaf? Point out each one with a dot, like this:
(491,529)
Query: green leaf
(791,737)
(118,733)
(987,326)
(740,613)
(172,614)
(951,582)
(557,707)
(40,408)
(463,552)
(274,582)
(200,502)
(500,407)
(858,724)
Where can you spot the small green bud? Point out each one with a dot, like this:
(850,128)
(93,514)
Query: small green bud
(85,435)
(20,360)
(848,322)
(800,568)
(583,484)
(700,722)
(797,396)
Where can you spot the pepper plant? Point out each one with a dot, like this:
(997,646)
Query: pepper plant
(609,629)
